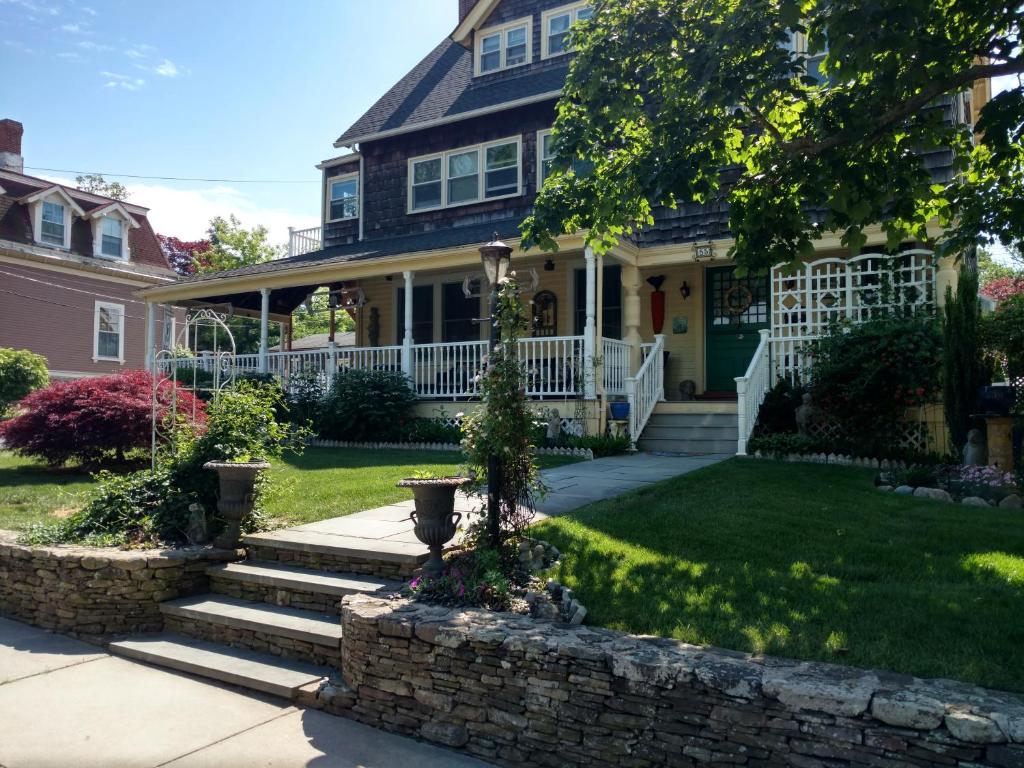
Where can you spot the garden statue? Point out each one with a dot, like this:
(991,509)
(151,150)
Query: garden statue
(373,329)
(687,390)
(554,426)
(806,415)
(197,531)
(975,454)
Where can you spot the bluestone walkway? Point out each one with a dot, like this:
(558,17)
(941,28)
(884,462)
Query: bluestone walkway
(66,704)
(569,487)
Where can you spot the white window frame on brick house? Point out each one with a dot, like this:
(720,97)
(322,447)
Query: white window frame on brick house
(112,212)
(502,31)
(58,196)
(482,171)
(97,312)
(346,178)
(573,12)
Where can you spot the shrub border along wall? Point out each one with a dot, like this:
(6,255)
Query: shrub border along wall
(519,692)
(95,593)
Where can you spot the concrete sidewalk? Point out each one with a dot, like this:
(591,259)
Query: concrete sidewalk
(65,704)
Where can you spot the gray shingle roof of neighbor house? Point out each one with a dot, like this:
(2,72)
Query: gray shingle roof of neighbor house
(442,87)
(439,239)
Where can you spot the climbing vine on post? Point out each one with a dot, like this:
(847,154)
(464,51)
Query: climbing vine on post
(503,424)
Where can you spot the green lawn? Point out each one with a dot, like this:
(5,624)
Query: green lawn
(808,562)
(320,483)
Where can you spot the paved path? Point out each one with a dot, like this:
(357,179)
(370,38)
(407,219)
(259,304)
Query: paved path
(64,703)
(569,487)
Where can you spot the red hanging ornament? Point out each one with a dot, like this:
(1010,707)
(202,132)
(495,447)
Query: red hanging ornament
(657,303)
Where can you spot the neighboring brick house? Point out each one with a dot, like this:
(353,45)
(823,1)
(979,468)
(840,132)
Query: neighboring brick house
(455,153)
(70,265)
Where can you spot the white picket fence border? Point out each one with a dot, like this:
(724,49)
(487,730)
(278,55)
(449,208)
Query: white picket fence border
(582,453)
(831,458)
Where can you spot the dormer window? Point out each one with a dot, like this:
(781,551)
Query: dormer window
(112,236)
(51,210)
(504,47)
(53,230)
(110,225)
(343,197)
(556,25)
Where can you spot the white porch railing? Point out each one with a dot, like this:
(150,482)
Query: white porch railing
(646,389)
(554,365)
(448,370)
(614,365)
(302,241)
(751,389)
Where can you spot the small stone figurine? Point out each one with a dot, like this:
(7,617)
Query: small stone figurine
(975,454)
(687,390)
(554,426)
(806,415)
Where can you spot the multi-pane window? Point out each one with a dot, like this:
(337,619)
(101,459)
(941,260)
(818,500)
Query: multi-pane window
(557,25)
(422,314)
(503,47)
(458,314)
(466,175)
(546,152)
(344,198)
(109,331)
(52,230)
(112,237)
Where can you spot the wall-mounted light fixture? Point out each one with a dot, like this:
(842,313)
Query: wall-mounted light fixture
(549,265)
(684,290)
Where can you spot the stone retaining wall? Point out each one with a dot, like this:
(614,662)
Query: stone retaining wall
(95,593)
(518,692)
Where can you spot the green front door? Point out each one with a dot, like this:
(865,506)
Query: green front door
(737,308)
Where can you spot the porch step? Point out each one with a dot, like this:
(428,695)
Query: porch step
(693,420)
(659,445)
(338,553)
(236,666)
(690,433)
(288,586)
(289,632)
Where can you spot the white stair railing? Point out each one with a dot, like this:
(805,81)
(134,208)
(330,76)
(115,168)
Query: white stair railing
(646,389)
(751,389)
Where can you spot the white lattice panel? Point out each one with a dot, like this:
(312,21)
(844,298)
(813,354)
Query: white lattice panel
(818,293)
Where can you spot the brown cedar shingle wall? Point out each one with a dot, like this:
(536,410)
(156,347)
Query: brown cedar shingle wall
(57,322)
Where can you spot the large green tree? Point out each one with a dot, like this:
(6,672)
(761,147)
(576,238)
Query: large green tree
(802,117)
(233,246)
(95,183)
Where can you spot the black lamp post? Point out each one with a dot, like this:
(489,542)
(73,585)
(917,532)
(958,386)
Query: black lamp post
(497,259)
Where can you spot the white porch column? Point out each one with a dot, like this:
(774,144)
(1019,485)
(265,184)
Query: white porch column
(264,328)
(407,337)
(150,336)
(590,327)
(631,283)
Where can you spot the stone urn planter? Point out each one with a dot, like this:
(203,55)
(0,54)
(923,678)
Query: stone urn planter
(235,498)
(435,517)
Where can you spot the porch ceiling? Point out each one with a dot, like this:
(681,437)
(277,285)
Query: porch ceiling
(283,301)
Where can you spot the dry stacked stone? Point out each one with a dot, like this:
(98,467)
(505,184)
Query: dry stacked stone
(520,692)
(95,593)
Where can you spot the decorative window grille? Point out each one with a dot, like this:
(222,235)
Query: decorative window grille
(873,285)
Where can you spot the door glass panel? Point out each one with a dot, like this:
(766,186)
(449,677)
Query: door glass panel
(738,300)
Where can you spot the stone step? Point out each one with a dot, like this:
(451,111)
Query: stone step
(682,445)
(236,666)
(288,586)
(338,553)
(693,420)
(289,632)
(691,433)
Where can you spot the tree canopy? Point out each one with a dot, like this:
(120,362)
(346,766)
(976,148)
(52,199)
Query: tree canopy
(96,184)
(233,246)
(801,117)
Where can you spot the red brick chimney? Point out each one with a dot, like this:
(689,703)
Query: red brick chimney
(10,145)
(465,6)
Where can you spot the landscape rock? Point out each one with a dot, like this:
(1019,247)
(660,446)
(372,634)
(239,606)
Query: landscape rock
(974,728)
(905,490)
(908,710)
(934,494)
(974,501)
(1013,501)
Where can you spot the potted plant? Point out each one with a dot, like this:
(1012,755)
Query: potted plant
(619,410)
(237,481)
(435,517)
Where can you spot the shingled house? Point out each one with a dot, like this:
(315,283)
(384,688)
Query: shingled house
(70,265)
(453,155)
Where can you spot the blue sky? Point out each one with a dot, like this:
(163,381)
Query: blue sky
(230,89)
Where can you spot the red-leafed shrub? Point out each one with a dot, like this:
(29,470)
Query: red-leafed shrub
(94,421)
(1003,288)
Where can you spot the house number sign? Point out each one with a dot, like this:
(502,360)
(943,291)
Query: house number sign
(703,251)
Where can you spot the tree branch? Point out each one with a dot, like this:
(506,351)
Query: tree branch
(764,122)
(811,148)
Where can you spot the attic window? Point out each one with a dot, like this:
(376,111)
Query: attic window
(343,201)
(557,25)
(504,47)
(54,226)
(112,237)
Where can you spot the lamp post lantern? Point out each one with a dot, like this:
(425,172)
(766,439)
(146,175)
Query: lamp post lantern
(497,259)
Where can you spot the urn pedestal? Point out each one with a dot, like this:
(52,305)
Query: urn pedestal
(235,498)
(435,517)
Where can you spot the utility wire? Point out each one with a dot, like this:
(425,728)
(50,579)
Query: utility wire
(173,178)
(68,288)
(58,304)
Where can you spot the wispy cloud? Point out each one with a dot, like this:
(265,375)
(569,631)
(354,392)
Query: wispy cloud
(68,55)
(33,7)
(90,11)
(89,45)
(125,82)
(18,46)
(167,68)
(141,51)
(75,29)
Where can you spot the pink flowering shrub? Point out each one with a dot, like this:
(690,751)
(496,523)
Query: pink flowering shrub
(1003,288)
(474,578)
(987,482)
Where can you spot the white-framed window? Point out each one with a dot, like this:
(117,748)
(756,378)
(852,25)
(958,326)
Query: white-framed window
(556,25)
(503,47)
(112,237)
(53,229)
(467,175)
(812,64)
(108,332)
(545,156)
(343,197)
